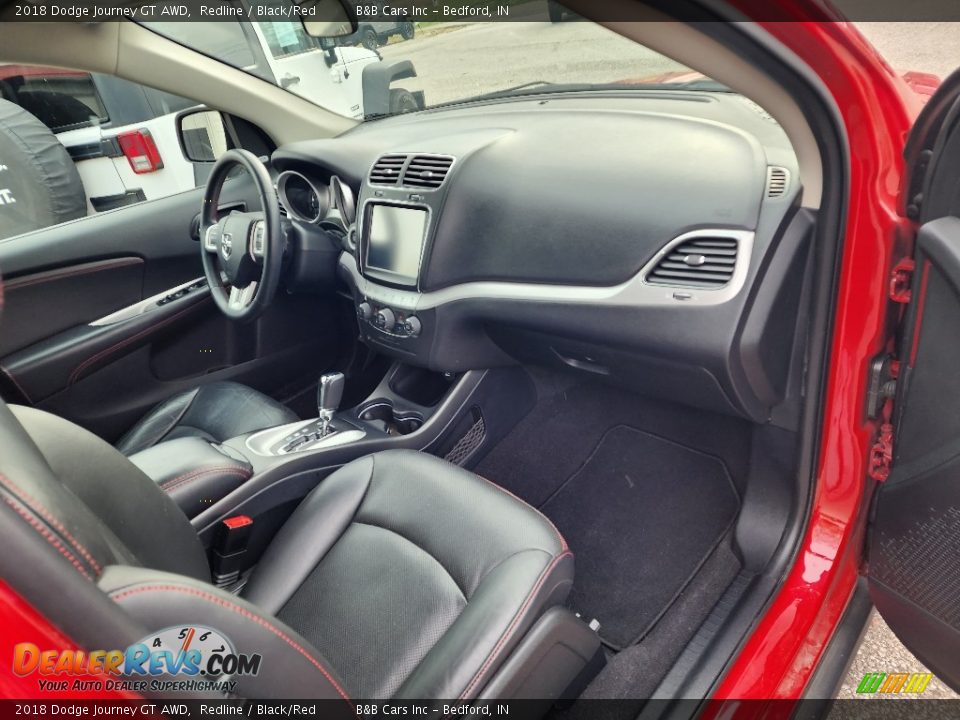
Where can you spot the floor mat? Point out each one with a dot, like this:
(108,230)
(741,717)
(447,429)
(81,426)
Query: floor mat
(642,515)
(552,443)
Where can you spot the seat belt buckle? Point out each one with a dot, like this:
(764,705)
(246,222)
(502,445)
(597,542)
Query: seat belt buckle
(229,549)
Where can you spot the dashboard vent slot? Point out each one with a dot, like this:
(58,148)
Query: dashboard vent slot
(703,262)
(387,170)
(427,171)
(777,180)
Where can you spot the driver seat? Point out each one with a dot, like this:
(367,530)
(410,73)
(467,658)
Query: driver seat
(215,412)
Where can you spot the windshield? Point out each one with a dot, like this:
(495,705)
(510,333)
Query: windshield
(453,61)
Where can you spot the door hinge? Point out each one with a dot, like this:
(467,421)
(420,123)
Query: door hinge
(881,390)
(901,278)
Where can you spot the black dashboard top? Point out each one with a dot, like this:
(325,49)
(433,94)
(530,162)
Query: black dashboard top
(554,219)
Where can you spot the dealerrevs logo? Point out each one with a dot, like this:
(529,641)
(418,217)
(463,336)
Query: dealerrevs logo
(184,658)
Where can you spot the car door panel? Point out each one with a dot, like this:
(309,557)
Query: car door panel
(35,305)
(913,555)
(61,360)
(67,355)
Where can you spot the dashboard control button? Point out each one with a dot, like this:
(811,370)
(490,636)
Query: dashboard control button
(386,319)
(413,326)
(364,311)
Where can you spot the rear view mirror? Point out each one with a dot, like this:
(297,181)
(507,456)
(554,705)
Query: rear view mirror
(326,18)
(203,135)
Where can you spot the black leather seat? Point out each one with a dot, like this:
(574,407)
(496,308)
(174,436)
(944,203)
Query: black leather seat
(215,412)
(400,575)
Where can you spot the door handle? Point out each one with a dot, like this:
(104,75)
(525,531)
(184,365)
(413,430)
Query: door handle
(288,80)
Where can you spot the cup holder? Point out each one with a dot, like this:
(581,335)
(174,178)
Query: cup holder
(382,414)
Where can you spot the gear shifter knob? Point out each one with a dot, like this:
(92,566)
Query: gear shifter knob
(329,394)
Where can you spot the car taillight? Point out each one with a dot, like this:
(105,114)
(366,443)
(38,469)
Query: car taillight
(140,150)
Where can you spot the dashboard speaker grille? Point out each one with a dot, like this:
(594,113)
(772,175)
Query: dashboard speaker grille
(703,262)
(427,171)
(387,170)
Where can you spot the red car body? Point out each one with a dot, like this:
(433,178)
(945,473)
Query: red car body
(877,107)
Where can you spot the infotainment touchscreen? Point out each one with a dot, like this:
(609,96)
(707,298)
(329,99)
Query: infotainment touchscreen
(394,241)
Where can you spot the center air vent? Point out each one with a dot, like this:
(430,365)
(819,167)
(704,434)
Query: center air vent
(426,171)
(386,170)
(703,262)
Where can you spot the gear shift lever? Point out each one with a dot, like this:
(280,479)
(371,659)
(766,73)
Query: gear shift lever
(329,394)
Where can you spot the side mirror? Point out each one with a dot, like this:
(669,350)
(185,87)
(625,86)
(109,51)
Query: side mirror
(203,135)
(326,18)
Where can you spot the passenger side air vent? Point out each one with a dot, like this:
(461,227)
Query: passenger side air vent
(386,170)
(703,262)
(777,180)
(427,171)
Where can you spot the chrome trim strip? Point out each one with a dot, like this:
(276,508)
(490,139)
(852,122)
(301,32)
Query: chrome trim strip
(132,311)
(634,292)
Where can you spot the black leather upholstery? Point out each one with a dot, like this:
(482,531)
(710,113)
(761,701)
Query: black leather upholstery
(438,573)
(400,575)
(88,502)
(193,472)
(291,667)
(215,412)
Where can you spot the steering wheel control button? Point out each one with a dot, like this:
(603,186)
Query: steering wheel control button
(257,241)
(211,241)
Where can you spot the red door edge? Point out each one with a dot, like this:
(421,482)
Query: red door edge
(779,658)
(20,622)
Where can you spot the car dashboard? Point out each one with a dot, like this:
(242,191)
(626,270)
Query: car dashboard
(653,238)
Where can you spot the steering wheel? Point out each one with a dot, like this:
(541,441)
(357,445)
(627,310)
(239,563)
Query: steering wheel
(242,252)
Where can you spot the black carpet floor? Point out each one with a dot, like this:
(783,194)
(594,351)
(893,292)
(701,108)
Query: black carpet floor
(638,489)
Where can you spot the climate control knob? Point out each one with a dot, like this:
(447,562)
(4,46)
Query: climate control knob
(386,320)
(364,311)
(413,326)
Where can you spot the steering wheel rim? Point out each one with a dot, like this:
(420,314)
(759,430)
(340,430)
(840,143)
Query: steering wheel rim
(230,246)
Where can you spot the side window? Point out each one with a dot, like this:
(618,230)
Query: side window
(60,99)
(73,144)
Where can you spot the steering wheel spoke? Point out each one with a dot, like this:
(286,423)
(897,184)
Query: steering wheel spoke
(241,298)
(211,238)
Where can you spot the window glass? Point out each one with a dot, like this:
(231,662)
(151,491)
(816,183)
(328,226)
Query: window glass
(61,99)
(74,144)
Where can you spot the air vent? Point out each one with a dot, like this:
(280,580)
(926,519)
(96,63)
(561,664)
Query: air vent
(777,180)
(703,262)
(386,170)
(427,171)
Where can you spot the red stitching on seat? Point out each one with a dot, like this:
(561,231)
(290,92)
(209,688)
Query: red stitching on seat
(48,536)
(243,612)
(38,508)
(75,375)
(514,623)
(189,477)
(563,542)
